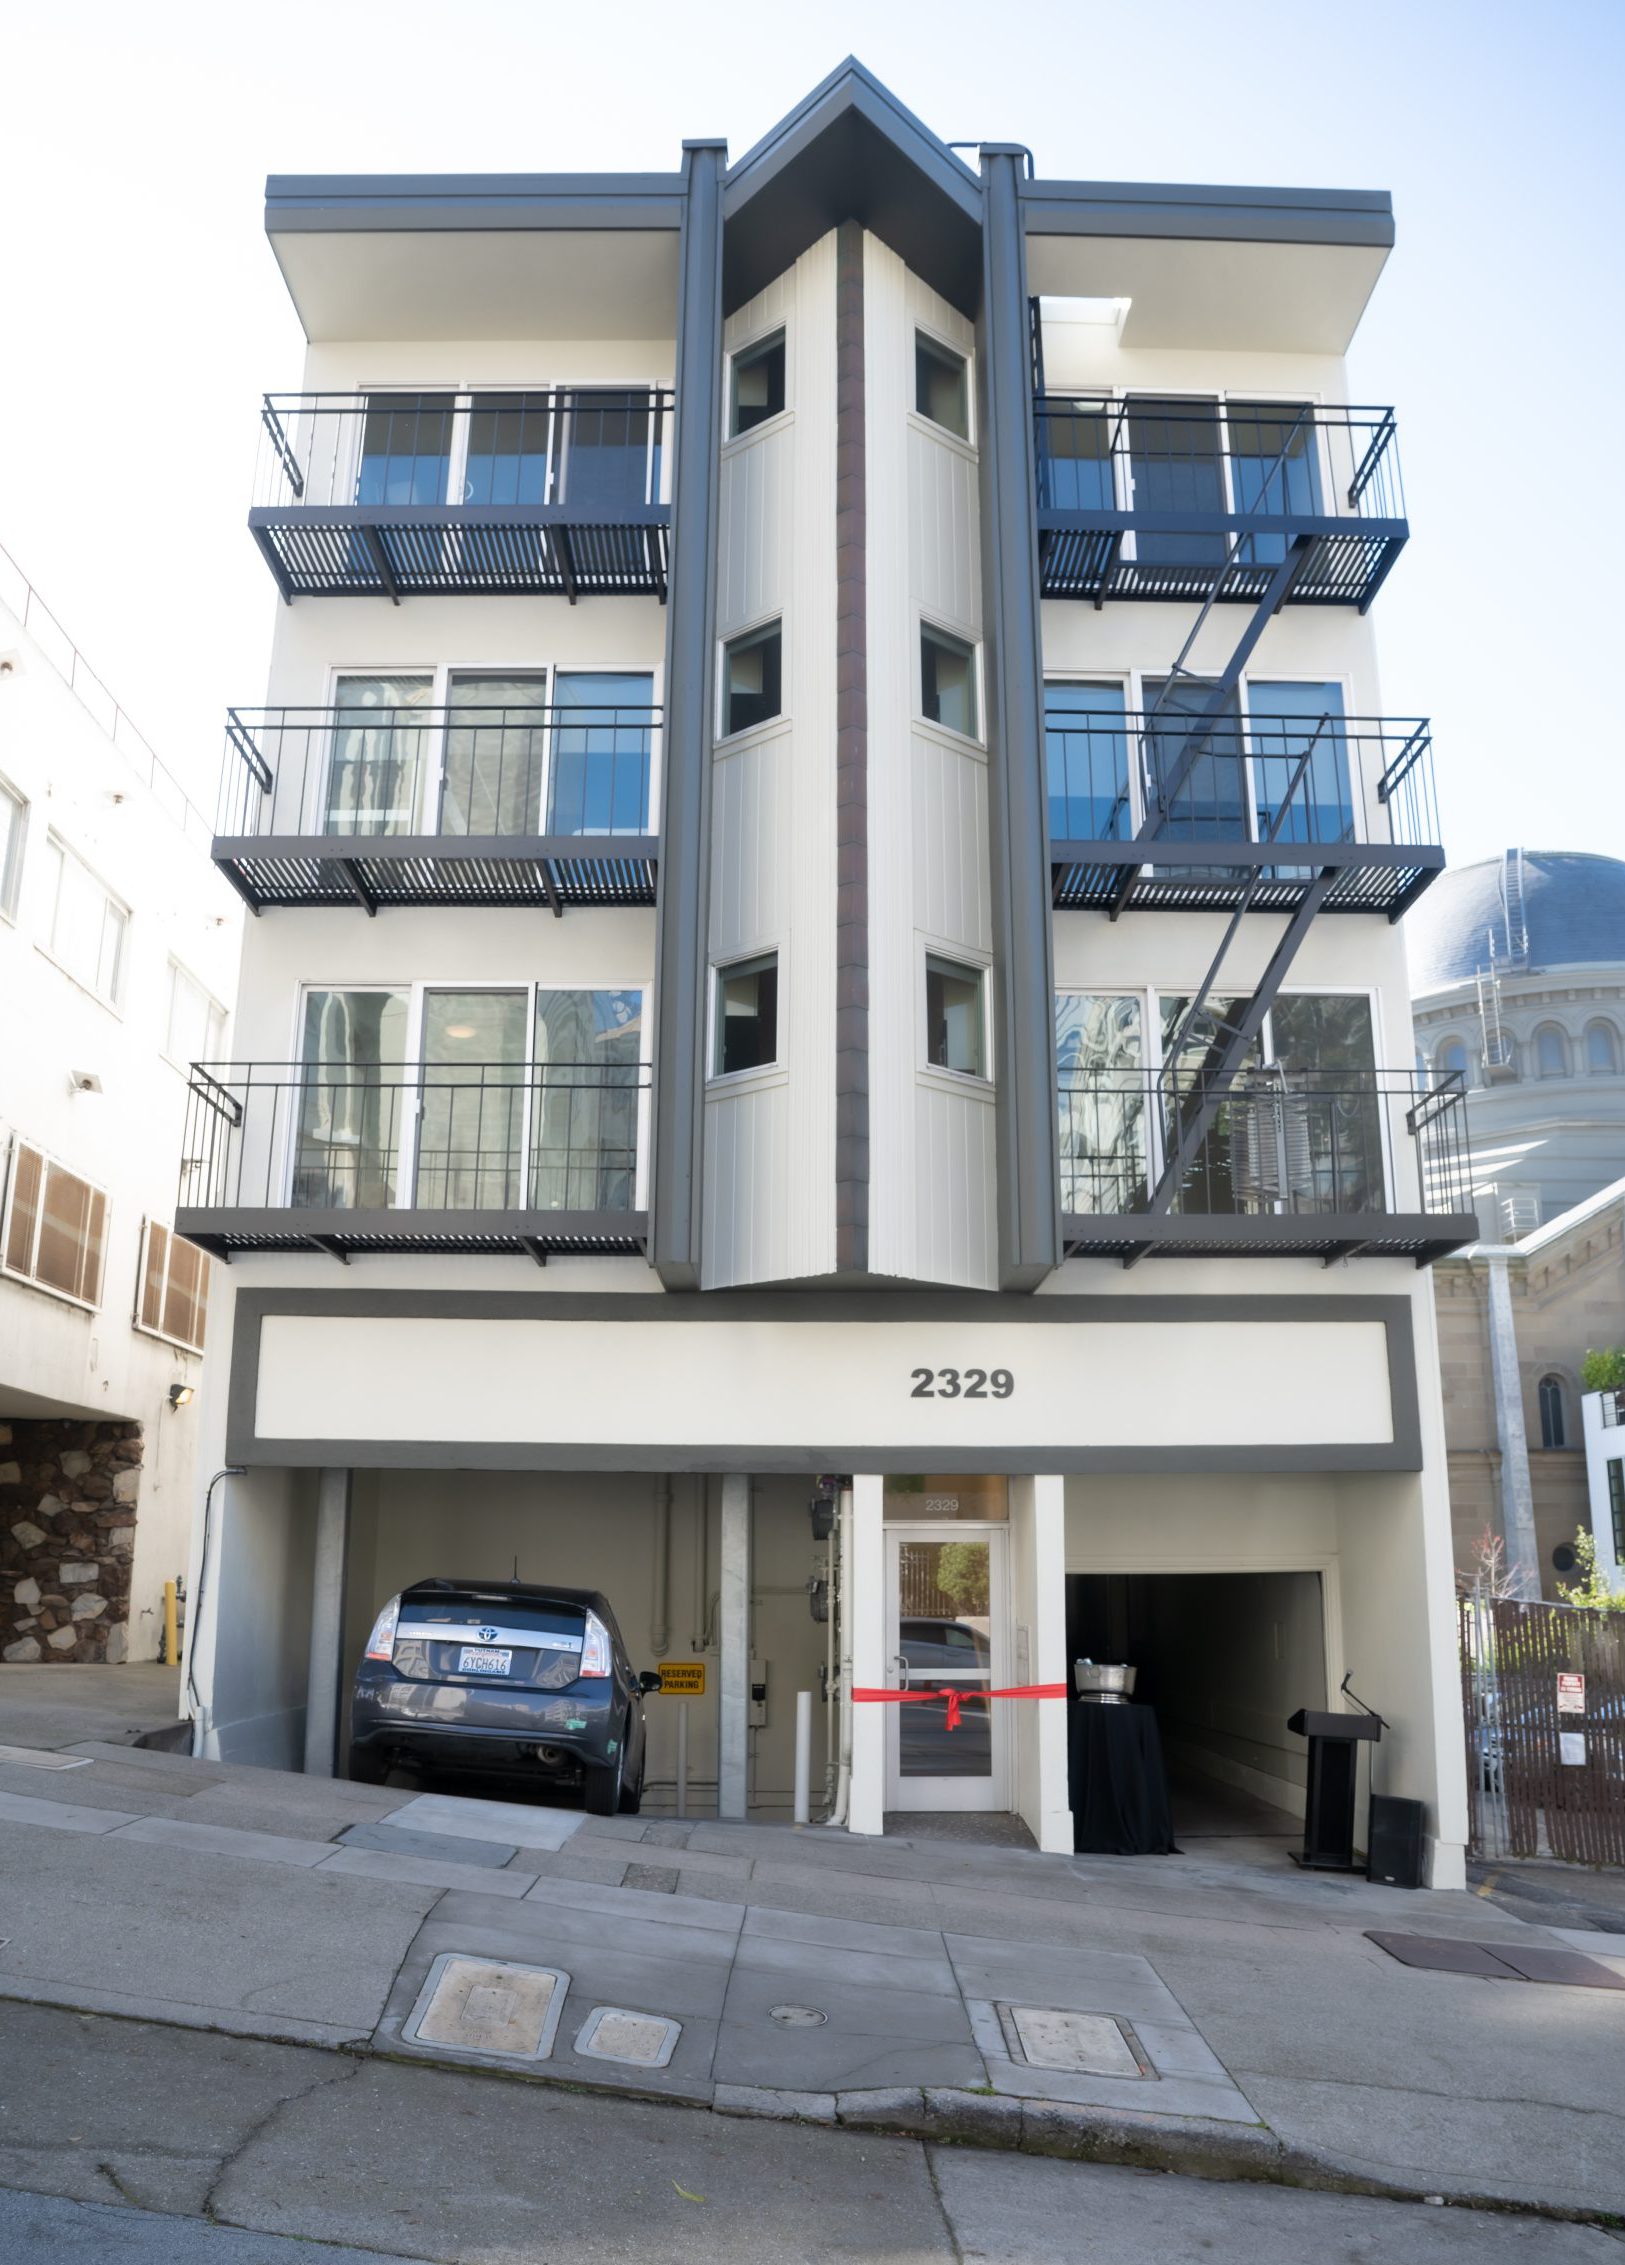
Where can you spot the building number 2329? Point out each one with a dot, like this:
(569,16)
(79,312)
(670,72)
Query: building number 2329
(962,1384)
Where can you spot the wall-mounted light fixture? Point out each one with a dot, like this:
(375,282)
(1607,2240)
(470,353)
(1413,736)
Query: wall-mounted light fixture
(181,1394)
(85,1081)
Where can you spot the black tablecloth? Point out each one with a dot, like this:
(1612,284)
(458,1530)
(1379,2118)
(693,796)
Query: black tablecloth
(1115,1778)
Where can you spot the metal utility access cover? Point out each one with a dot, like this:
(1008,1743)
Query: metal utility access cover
(643,2040)
(485,2005)
(1091,2044)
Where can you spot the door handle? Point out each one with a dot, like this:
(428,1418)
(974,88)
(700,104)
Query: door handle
(900,1662)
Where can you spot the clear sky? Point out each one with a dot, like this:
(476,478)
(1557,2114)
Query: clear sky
(141,313)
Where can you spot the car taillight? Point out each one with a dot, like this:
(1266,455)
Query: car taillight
(595,1647)
(381,1643)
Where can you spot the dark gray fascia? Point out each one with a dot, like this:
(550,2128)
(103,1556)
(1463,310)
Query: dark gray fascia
(851,151)
(362,203)
(1363,217)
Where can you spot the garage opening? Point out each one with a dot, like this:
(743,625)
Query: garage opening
(1223,1658)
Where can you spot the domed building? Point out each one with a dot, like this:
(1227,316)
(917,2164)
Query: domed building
(1518,982)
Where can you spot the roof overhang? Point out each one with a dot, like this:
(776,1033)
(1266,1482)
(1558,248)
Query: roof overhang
(479,256)
(1270,270)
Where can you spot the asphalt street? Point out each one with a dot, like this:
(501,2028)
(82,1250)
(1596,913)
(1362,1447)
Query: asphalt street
(148,2143)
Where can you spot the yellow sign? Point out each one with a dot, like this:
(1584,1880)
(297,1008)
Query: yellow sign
(682,1678)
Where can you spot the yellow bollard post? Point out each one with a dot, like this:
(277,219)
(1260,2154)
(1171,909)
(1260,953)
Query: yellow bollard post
(172,1641)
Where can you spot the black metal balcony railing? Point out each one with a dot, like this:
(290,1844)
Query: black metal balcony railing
(466,1156)
(1261,805)
(1326,1164)
(554,491)
(1143,497)
(462,805)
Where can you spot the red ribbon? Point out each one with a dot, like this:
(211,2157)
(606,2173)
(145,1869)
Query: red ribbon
(956,1696)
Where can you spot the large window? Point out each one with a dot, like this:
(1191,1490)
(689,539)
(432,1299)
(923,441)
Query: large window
(1602,1049)
(1300,1128)
(1176,455)
(496,746)
(195,1029)
(1086,762)
(602,738)
(56,1225)
(1295,726)
(1274,469)
(1198,768)
(350,1094)
(1551,1051)
(13,826)
(596,448)
(380,743)
(174,1291)
(746,1022)
(88,926)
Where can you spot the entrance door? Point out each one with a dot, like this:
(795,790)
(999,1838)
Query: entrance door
(945,1622)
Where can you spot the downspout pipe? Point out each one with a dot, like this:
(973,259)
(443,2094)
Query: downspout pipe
(1517,1489)
(228,1471)
(660,1617)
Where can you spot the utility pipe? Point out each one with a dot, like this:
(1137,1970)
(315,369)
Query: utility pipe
(228,1471)
(843,1775)
(660,1617)
(682,1757)
(803,1757)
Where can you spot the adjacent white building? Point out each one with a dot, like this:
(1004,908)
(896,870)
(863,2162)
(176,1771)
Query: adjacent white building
(118,957)
(828,1020)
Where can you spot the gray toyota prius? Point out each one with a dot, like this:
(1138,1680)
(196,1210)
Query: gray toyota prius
(506,1678)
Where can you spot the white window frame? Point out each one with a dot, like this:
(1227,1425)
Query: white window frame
(179,973)
(112,1000)
(743,634)
(968,440)
(50,1162)
(742,350)
(463,392)
(958,635)
(413,991)
(150,1329)
(728,1081)
(968,962)
(11,865)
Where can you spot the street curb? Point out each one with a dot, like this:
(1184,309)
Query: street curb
(940,2116)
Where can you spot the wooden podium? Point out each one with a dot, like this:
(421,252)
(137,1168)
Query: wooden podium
(1334,1754)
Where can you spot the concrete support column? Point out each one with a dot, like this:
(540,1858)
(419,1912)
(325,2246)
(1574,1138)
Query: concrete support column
(1517,1492)
(324,1685)
(865,1579)
(733,1648)
(1038,1596)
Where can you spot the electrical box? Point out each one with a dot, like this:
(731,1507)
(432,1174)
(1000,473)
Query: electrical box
(757,1715)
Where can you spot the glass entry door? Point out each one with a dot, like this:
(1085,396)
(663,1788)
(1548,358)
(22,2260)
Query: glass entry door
(945,1622)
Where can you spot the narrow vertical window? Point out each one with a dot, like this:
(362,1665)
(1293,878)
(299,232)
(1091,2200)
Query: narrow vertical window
(942,386)
(13,819)
(757,388)
(1616,1506)
(747,1015)
(948,681)
(752,671)
(1553,1429)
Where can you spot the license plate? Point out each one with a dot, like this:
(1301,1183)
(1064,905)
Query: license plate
(471,1661)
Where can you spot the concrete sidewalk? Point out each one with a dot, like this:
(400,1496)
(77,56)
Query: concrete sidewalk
(1237,2019)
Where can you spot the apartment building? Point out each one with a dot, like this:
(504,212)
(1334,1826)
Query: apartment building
(818,1045)
(118,952)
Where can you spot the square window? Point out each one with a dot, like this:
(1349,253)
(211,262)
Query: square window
(751,671)
(13,820)
(948,680)
(942,386)
(747,1017)
(757,391)
(955,1035)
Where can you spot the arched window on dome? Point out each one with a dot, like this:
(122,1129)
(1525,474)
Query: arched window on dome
(1551,1051)
(1602,1049)
(1451,1059)
(1553,1425)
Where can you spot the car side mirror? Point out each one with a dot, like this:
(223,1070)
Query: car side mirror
(649,1680)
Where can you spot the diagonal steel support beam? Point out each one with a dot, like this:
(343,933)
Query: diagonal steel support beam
(380,560)
(358,887)
(1218,1072)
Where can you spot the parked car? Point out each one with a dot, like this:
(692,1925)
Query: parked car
(504,1677)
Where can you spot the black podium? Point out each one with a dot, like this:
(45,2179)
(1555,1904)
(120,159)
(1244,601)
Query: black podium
(1334,1756)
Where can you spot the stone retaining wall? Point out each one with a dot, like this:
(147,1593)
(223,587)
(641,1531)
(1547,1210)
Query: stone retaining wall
(67,1537)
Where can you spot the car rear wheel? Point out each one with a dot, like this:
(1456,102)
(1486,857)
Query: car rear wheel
(604,1787)
(632,1795)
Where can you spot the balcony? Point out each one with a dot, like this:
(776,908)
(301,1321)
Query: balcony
(1249,811)
(543,1160)
(477,803)
(1321,1164)
(1146,497)
(558,491)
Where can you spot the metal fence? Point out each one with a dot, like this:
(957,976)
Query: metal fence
(600,451)
(1288,778)
(398,1138)
(1543,1702)
(1312,1141)
(470,770)
(1174,458)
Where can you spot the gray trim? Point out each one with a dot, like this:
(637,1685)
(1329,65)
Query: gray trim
(1024,1023)
(851,151)
(365,203)
(1356,217)
(851,761)
(1402,1453)
(685,893)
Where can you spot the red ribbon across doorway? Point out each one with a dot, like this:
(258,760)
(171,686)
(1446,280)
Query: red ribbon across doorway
(956,1697)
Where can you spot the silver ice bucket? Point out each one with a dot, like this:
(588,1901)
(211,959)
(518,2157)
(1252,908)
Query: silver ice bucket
(1112,1686)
